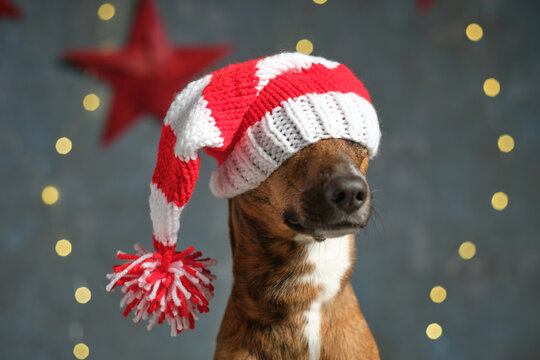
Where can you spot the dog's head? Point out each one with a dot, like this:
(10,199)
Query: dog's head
(321,191)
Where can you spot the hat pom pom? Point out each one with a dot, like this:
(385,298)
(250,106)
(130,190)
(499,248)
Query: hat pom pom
(165,285)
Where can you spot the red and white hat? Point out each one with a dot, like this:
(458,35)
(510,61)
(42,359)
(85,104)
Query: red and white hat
(251,117)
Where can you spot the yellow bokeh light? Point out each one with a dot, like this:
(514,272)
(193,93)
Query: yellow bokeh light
(50,195)
(63,145)
(319,2)
(474,32)
(499,201)
(434,331)
(467,250)
(505,143)
(304,46)
(106,11)
(492,87)
(81,351)
(63,247)
(438,294)
(83,295)
(91,102)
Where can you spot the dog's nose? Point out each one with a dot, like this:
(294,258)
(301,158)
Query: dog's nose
(346,193)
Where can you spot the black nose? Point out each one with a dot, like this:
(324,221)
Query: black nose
(346,193)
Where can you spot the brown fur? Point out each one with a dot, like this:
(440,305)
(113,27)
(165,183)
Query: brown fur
(264,318)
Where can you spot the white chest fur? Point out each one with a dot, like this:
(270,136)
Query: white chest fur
(330,259)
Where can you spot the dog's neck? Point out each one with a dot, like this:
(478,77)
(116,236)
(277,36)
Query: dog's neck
(284,280)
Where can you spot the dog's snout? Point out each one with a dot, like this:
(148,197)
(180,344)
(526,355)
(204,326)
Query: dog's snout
(346,193)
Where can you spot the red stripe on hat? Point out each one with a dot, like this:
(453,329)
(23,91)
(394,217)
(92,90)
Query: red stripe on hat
(317,79)
(229,94)
(174,177)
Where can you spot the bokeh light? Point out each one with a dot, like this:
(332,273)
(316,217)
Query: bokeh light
(434,331)
(467,250)
(474,32)
(50,195)
(304,46)
(492,87)
(63,145)
(83,295)
(499,201)
(106,11)
(438,294)
(81,351)
(91,102)
(505,143)
(63,247)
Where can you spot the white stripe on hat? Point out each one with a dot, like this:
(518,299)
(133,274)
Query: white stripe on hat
(192,121)
(271,67)
(165,217)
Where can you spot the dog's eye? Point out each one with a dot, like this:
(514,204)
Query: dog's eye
(290,217)
(292,220)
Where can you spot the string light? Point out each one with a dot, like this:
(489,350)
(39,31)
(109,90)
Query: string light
(50,195)
(83,295)
(81,351)
(474,32)
(434,331)
(438,294)
(319,2)
(492,87)
(304,46)
(91,102)
(63,145)
(505,143)
(106,11)
(63,247)
(499,201)
(467,250)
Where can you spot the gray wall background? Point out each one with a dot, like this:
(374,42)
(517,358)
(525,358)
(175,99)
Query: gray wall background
(433,180)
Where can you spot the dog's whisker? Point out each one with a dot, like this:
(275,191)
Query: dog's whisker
(375,222)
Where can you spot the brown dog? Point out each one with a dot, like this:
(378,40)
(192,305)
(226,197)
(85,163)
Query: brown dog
(293,253)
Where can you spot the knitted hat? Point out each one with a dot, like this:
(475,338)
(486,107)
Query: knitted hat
(251,117)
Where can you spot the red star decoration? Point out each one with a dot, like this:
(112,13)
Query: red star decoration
(9,10)
(146,73)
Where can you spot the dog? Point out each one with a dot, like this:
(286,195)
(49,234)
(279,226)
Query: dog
(292,241)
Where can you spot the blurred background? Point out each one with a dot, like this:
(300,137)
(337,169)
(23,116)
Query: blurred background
(449,266)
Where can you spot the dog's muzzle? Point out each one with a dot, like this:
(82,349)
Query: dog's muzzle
(339,206)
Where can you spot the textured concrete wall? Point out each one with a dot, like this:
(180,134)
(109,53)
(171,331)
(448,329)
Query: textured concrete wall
(433,180)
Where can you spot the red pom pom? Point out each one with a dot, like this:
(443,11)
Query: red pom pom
(166,285)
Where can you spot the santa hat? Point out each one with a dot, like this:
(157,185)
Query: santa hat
(251,117)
